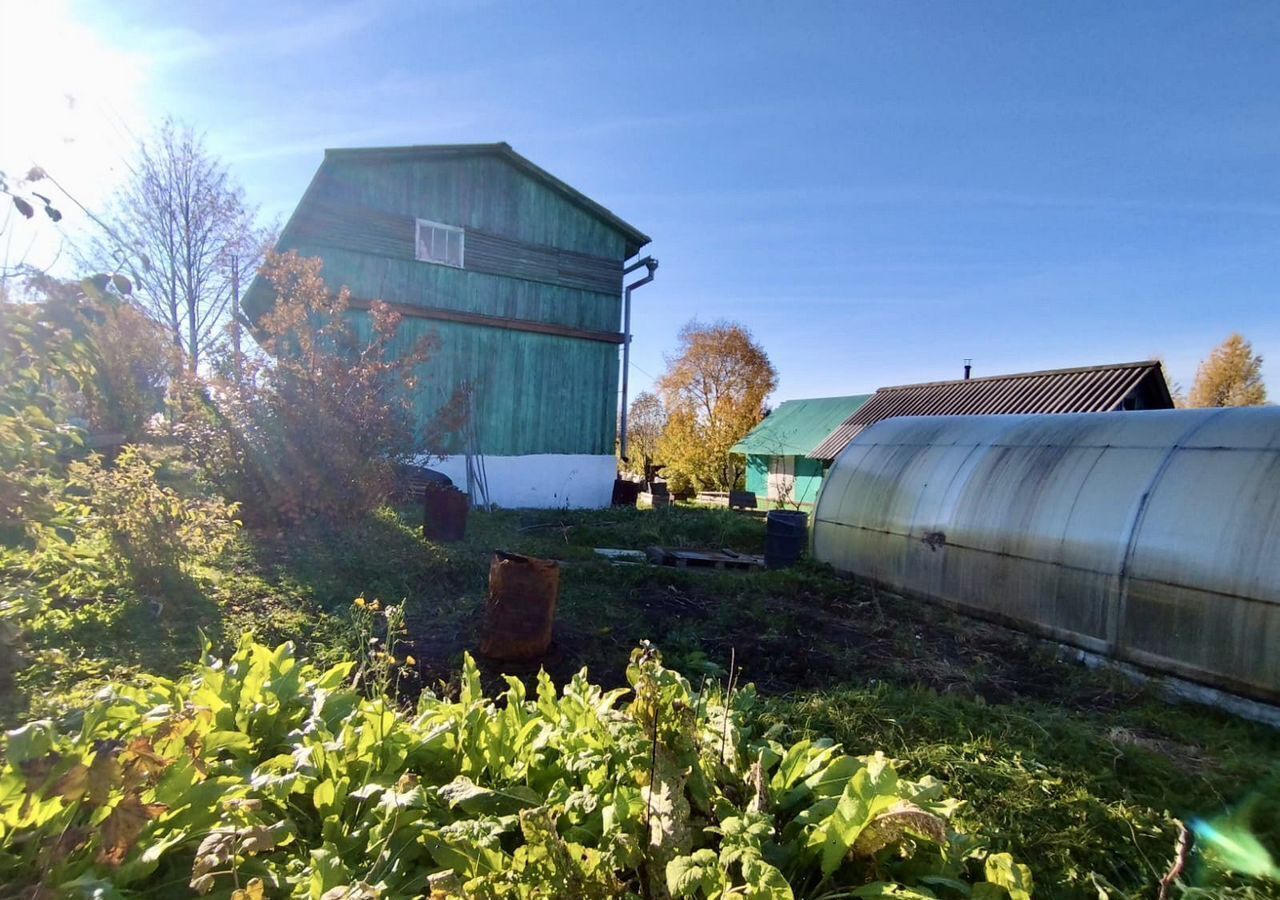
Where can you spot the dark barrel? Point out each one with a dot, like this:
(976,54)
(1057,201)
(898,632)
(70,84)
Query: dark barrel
(625,492)
(786,532)
(444,514)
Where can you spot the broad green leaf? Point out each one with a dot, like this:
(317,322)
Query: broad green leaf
(235,741)
(327,872)
(764,881)
(686,874)
(33,740)
(323,797)
(464,793)
(1014,877)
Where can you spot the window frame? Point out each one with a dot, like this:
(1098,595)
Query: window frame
(447,230)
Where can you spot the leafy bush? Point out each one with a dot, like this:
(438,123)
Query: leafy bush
(40,346)
(133,362)
(151,530)
(132,356)
(319,431)
(261,775)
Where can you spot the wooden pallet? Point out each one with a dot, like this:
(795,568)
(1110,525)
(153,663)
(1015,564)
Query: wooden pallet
(703,559)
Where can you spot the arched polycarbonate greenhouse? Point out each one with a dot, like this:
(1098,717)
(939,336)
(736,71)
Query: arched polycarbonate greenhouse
(1151,537)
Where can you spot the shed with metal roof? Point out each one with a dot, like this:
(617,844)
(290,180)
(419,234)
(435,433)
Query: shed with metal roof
(1106,388)
(779,470)
(515,275)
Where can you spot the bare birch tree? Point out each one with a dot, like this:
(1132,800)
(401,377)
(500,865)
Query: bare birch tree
(179,226)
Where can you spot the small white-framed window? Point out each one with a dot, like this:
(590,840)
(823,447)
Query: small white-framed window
(436,242)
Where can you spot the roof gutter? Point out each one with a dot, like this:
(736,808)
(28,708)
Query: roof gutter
(652,265)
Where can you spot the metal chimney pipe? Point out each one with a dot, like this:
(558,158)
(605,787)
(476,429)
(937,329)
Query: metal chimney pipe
(968,367)
(652,265)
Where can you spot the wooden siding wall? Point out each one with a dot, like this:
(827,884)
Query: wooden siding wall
(374,232)
(479,192)
(531,255)
(427,284)
(568,408)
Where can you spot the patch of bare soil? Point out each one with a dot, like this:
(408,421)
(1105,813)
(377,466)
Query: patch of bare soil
(798,642)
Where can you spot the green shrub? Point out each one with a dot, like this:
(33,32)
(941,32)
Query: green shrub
(152,531)
(261,775)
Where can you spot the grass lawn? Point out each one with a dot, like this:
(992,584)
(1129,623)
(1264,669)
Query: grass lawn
(1079,774)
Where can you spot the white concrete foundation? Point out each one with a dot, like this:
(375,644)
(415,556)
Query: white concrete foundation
(539,481)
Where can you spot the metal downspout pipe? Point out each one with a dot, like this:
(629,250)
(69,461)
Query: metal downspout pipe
(652,265)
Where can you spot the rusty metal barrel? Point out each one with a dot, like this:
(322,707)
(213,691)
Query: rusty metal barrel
(521,607)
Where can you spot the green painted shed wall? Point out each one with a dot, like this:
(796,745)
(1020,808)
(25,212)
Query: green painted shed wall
(567,408)
(758,475)
(534,393)
(472,191)
(808,478)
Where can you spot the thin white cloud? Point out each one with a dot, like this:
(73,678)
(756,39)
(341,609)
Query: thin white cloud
(927,195)
(297,34)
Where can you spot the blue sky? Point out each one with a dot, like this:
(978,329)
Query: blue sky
(877,190)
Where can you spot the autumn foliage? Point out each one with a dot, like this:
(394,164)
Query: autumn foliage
(317,430)
(1231,376)
(714,391)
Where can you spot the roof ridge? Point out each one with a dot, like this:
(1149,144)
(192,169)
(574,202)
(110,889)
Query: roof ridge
(505,151)
(815,399)
(1040,373)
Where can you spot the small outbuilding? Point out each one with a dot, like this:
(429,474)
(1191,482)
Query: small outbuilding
(518,278)
(779,470)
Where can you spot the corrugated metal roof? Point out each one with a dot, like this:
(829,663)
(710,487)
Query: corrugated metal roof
(1082,390)
(635,237)
(797,426)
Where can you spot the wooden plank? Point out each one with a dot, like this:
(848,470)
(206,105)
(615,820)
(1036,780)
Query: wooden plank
(703,559)
(512,324)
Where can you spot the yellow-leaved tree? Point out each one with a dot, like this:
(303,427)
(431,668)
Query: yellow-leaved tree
(1231,376)
(714,391)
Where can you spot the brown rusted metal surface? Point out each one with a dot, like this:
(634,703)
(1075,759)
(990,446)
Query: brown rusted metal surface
(1092,389)
(1153,537)
(521,608)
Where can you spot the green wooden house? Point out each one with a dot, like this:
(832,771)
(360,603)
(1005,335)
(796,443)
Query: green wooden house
(779,471)
(519,277)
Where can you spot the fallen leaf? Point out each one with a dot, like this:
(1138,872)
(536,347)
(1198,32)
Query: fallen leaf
(73,784)
(141,763)
(121,829)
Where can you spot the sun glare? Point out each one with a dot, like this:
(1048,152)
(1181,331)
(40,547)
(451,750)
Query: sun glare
(70,103)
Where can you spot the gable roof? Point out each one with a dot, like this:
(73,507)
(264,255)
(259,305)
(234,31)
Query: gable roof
(501,150)
(1086,389)
(797,426)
